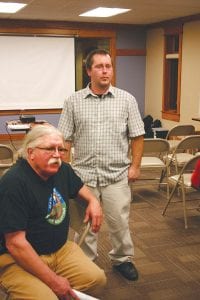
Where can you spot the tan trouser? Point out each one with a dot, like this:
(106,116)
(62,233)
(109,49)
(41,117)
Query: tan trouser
(115,200)
(69,262)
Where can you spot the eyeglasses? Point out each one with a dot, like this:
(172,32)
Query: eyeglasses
(52,150)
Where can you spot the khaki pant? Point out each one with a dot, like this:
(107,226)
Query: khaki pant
(115,199)
(69,262)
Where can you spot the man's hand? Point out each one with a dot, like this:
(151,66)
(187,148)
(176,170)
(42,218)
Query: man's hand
(93,210)
(94,213)
(133,173)
(24,254)
(62,289)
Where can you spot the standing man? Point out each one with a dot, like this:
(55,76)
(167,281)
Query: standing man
(100,120)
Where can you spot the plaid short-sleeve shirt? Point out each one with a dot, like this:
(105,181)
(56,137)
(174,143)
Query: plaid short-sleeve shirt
(100,129)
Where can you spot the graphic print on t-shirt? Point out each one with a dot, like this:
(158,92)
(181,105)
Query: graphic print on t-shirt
(56,208)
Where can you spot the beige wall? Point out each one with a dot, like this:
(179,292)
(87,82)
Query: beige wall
(190,83)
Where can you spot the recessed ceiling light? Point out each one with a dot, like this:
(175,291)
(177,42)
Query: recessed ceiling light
(10,7)
(103,12)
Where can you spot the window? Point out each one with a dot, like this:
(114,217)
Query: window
(172,73)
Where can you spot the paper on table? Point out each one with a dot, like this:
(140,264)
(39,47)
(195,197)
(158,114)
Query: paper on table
(84,296)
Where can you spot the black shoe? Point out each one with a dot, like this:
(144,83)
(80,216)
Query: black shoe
(127,270)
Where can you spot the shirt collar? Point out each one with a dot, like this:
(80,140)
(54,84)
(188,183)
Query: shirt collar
(88,92)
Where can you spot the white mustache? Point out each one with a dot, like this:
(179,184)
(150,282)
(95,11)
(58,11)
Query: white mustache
(54,160)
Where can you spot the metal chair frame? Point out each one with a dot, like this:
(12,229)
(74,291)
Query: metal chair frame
(152,159)
(180,130)
(174,134)
(77,214)
(182,181)
(184,151)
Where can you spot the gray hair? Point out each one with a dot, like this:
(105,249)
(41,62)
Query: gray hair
(33,138)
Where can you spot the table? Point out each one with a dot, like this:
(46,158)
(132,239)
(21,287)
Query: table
(160,132)
(17,125)
(196,119)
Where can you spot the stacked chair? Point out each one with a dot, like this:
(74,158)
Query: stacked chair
(153,160)
(182,161)
(182,187)
(179,132)
(6,158)
(184,151)
(77,209)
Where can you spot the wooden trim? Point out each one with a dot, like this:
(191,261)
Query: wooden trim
(179,74)
(25,27)
(13,137)
(30,112)
(130,52)
(73,26)
(113,55)
(174,22)
(166,113)
(13,23)
(86,33)
(172,116)
(55,28)
(172,30)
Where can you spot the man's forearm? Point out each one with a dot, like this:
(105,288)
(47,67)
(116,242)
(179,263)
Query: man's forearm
(86,194)
(93,210)
(137,145)
(23,253)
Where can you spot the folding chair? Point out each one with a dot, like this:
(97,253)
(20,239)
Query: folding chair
(184,151)
(77,214)
(178,131)
(6,157)
(152,160)
(182,181)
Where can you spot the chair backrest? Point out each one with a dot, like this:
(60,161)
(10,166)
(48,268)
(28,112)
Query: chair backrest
(190,165)
(77,214)
(6,158)
(156,145)
(180,130)
(191,142)
(6,152)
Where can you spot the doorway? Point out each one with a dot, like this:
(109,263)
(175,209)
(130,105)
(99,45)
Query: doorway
(82,47)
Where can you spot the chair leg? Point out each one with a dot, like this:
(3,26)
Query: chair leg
(169,199)
(167,189)
(184,206)
(162,175)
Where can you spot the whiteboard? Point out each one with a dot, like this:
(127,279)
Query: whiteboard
(36,72)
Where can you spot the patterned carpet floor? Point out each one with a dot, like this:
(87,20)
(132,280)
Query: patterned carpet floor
(167,255)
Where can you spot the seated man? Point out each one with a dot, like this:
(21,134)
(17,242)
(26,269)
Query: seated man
(36,259)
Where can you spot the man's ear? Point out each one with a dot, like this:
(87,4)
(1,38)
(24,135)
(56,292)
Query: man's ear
(30,152)
(88,71)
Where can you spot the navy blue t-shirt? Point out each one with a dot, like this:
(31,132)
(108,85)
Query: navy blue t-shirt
(38,207)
